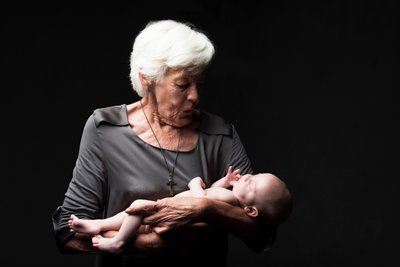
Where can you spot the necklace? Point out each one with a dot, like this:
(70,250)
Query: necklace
(171,172)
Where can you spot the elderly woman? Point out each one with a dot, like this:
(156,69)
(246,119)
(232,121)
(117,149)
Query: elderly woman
(151,149)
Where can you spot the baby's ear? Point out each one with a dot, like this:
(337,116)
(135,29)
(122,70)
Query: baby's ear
(251,211)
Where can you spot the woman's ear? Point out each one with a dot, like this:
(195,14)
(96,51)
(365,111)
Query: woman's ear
(251,211)
(141,77)
(146,83)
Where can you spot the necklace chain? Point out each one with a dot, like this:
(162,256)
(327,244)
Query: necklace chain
(171,172)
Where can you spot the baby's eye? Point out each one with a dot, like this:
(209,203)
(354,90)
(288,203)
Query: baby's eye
(250,187)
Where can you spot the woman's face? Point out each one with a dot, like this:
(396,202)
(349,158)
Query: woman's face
(177,96)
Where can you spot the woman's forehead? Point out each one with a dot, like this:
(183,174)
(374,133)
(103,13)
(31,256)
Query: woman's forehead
(183,74)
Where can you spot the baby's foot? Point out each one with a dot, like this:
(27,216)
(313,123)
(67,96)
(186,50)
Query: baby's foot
(111,245)
(83,225)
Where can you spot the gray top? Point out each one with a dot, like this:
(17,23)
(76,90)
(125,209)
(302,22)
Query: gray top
(114,167)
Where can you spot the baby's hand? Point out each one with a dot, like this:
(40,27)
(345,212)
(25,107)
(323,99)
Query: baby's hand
(232,176)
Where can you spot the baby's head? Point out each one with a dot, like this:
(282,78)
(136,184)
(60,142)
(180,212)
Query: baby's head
(264,196)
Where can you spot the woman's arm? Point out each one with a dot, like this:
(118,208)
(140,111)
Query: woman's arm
(176,212)
(79,243)
(256,235)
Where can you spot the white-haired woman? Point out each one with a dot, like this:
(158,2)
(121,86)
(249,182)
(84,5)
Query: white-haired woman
(150,149)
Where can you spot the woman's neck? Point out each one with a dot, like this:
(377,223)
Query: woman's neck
(146,123)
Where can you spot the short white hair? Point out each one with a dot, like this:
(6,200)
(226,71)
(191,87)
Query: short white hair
(168,44)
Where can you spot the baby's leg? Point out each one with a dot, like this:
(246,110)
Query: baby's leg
(93,227)
(116,244)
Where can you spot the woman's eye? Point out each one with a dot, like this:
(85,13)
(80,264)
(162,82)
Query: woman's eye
(183,86)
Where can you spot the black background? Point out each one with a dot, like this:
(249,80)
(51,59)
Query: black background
(311,88)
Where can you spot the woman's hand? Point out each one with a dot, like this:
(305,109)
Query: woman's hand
(170,213)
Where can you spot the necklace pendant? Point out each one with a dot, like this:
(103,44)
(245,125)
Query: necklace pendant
(171,184)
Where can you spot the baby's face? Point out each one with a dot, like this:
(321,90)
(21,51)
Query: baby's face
(248,187)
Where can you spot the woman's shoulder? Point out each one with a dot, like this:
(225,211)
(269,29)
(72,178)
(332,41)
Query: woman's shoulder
(116,115)
(214,124)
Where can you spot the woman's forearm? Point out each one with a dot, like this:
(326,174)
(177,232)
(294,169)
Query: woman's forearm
(80,243)
(234,220)
(230,218)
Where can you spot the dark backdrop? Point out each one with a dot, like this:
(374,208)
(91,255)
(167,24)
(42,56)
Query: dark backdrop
(310,87)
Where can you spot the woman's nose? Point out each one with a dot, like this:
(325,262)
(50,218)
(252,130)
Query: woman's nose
(194,94)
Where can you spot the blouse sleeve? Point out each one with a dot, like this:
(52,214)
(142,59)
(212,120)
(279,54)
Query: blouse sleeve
(85,193)
(239,158)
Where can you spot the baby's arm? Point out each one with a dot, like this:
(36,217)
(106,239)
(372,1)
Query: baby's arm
(196,186)
(230,178)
